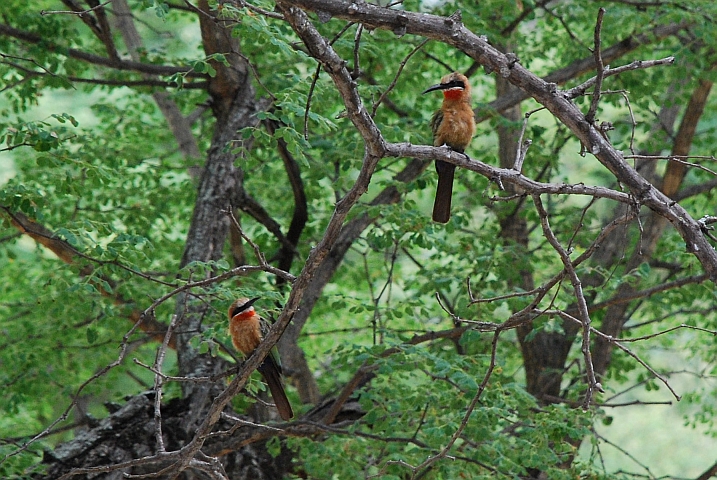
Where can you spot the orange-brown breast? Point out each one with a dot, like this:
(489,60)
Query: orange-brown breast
(245,331)
(457,125)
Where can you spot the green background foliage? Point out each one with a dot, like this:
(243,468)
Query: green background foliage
(98,166)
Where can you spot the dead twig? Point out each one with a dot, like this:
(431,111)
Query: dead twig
(597,53)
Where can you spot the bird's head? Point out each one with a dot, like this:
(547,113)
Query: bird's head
(455,86)
(242,305)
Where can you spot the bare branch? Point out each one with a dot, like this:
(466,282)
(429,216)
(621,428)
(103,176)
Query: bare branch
(79,13)
(33,38)
(593,384)
(453,33)
(590,117)
(618,344)
(609,72)
(398,74)
(681,159)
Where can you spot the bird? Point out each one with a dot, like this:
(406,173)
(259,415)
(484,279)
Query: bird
(247,330)
(453,125)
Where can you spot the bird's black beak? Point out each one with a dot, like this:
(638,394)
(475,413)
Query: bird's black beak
(249,303)
(445,86)
(240,308)
(432,88)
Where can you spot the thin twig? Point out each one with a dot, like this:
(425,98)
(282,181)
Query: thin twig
(679,159)
(633,122)
(35,229)
(628,455)
(609,72)
(71,12)
(241,270)
(356,73)
(523,146)
(257,251)
(158,383)
(580,223)
(309,96)
(651,291)
(590,117)
(27,70)
(542,290)
(618,344)
(672,329)
(593,384)
(262,11)
(315,79)
(395,78)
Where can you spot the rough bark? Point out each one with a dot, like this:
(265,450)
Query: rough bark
(234,108)
(128,434)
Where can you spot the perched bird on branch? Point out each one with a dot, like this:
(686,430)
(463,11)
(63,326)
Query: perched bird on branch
(454,125)
(247,330)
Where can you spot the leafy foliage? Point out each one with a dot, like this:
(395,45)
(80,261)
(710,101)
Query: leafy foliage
(105,177)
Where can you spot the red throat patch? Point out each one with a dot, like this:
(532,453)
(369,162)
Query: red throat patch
(453,93)
(248,313)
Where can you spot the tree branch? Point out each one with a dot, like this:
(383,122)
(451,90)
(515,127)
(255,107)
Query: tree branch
(599,66)
(455,34)
(32,38)
(579,297)
(71,256)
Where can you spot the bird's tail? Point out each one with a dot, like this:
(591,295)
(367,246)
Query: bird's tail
(444,191)
(271,372)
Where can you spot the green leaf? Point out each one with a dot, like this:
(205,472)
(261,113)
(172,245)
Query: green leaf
(91,335)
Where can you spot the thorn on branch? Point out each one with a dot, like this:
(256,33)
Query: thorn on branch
(523,146)
(323,16)
(455,20)
(498,181)
(604,128)
(706,226)
(400,29)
